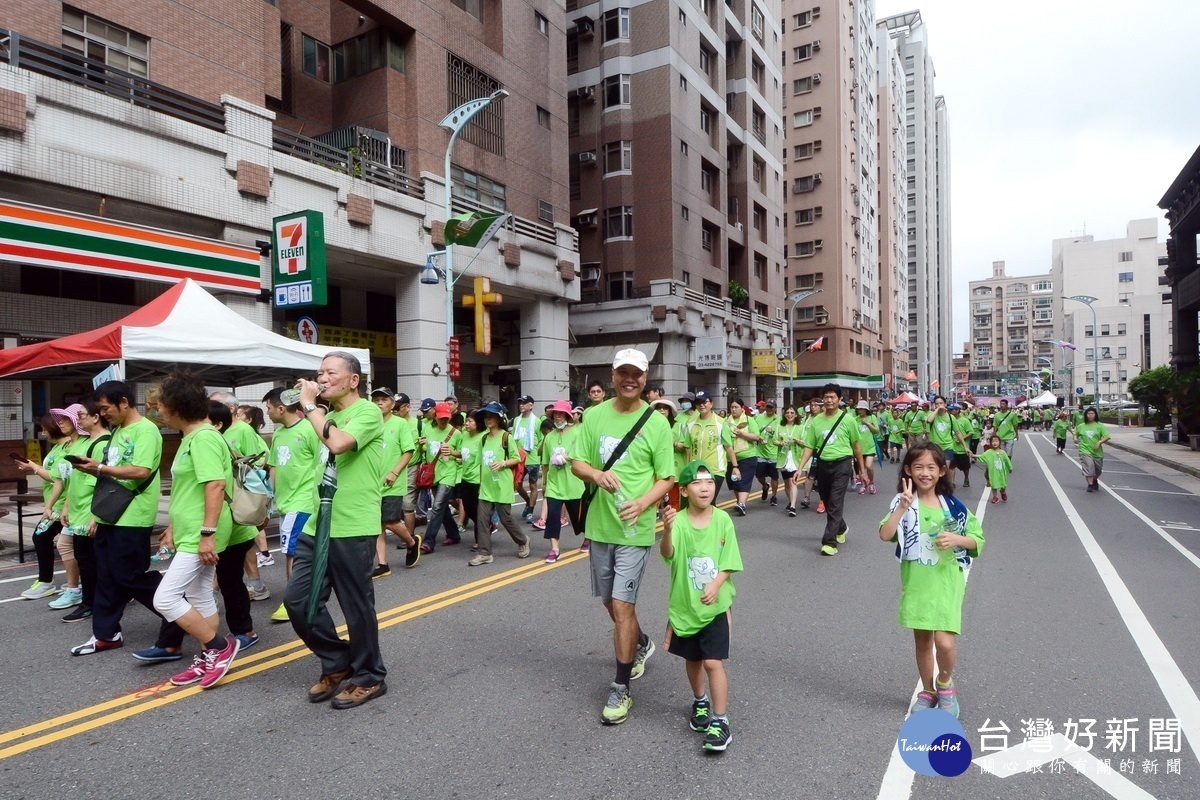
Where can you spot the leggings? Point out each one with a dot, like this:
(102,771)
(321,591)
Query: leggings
(85,556)
(554,508)
(43,546)
(469,494)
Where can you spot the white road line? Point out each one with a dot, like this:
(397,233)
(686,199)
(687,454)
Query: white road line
(1178,692)
(1148,491)
(30,576)
(898,778)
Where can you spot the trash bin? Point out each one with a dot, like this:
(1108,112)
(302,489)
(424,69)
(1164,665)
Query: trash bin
(1194,441)
(1162,435)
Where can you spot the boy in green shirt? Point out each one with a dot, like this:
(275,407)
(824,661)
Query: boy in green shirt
(1062,426)
(700,547)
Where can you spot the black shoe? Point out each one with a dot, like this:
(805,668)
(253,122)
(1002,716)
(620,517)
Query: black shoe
(701,715)
(741,508)
(718,736)
(804,503)
(78,614)
(966,484)
(380,570)
(414,553)
(764,497)
(791,510)
(774,500)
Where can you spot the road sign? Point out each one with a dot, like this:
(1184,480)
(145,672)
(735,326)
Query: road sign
(298,259)
(455,359)
(307,331)
(1078,390)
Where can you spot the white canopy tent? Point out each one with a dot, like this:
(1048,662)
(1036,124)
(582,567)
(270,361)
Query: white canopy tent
(1046,398)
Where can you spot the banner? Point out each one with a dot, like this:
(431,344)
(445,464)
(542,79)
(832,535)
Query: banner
(298,260)
(710,352)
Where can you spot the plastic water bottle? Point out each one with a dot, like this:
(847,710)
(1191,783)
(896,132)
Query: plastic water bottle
(289,397)
(949,525)
(628,528)
(44,525)
(164,554)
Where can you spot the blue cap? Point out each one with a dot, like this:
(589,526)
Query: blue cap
(427,404)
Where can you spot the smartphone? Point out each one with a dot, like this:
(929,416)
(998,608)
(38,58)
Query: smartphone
(16,457)
(74,459)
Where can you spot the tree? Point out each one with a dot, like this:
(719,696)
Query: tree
(1155,388)
(738,296)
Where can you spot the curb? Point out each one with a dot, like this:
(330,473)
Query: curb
(1166,462)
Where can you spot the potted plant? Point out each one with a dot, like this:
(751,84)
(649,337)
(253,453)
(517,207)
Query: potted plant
(1187,404)
(738,296)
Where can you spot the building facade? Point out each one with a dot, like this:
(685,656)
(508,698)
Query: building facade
(214,118)
(675,190)
(1012,323)
(893,201)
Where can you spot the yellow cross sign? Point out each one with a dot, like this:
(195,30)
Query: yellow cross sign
(480,301)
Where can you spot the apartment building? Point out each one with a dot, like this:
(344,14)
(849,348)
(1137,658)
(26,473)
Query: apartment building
(927,177)
(893,200)
(213,118)
(675,189)
(1130,294)
(1181,203)
(1012,321)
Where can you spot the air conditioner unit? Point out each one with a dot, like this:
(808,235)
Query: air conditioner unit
(587,93)
(818,211)
(585,27)
(816,12)
(821,319)
(817,178)
(586,219)
(741,228)
(816,112)
(589,273)
(816,145)
(818,244)
(587,157)
(816,78)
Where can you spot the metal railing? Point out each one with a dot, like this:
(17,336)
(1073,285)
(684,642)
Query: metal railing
(46,59)
(525,227)
(339,160)
(372,145)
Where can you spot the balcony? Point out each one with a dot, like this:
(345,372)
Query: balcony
(1017,319)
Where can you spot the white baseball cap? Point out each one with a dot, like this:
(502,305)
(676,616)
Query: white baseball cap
(632,357)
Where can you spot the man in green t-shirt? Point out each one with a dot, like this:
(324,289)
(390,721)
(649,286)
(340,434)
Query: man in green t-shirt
(352,433)
(708,439)
(621,515)
(526,428)
(121,545)
(1006,422)
(398,448)
(767,425)
(833,437)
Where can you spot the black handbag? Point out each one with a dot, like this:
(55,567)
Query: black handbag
(110,498)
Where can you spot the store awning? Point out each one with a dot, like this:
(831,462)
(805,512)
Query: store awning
(603,354)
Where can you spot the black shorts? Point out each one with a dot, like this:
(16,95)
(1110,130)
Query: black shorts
(393,508)
(711,641)
(962,461)
(768,469)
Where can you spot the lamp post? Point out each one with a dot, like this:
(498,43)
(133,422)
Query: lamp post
(454,122)
(797,297)
(925,373)
(1090,301)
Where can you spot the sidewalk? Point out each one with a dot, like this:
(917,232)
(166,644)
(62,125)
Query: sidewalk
(1140,442)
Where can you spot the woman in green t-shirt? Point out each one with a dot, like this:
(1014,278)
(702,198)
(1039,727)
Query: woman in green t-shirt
(564,490)
(470,442)
(1090,437)
(745,450)
(60,432)
(788,440)
(498,456)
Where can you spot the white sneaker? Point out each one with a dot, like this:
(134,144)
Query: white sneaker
(265,561)
(38,590)
(68,599)
(258,594)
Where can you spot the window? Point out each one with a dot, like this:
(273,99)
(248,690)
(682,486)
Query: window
(806,249)
(118,47)
(1125,298)
(481,189)
(1122,352)
(367,53)
(616,24)
(802,20)
(758,219)
(683,148)
(467,82)
(802,85)
(804,184)
(543,24)
(472,7)
(708,118)
(709,179)
(712,289)
(1105,329)
(618,222)
(543,117)
(620,286)
(685,213)
(616,91)
(707,58)
(1089,353)
(802,52)
(1125,277)
(618,156)
(1124,256)
(1087,330)
(758,124)
(758,170)
(315,58)
(810,280)
(802,151)
(683,83)
(1120,329)
(757,22)
(757,73)
(1043,286)
(806,216)
(802,119)
(706,241)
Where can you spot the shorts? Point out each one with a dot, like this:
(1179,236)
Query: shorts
(291,525)
(768,469)
(747,469)
(392,507)
(1092,466)
(962,461)
(532,473)
(950,457)
(711,641)
(617,570)
(410,498)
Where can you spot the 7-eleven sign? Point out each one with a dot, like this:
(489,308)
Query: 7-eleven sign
(298,259)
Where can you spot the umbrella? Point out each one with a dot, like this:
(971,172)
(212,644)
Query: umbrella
(325,491)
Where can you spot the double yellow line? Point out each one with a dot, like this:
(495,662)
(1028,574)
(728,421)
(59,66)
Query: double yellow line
(56,729)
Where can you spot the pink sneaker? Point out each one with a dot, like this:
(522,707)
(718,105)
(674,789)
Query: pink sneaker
(552,556)
(540,524)
(190,675)
(218,662)
(586,546)
(821,507)
(862,489)
(871,488)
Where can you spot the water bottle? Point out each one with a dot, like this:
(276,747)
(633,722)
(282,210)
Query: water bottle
(44,524)
(949,525)
(164,554)
(289,397)
(628,528)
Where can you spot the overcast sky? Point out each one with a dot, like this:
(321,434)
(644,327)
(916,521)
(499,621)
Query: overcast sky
(1065,117)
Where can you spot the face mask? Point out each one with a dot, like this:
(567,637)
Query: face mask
(686,406)
(560,425)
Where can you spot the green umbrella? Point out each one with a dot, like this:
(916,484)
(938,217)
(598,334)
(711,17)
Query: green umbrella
(325,491)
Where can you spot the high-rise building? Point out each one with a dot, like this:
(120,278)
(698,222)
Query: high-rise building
(1131,328)
(927,175)
(676,188)
(1012,321)
(893,202)
(183,119)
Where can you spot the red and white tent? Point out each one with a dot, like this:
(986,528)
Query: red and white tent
(904,398)
(183,326)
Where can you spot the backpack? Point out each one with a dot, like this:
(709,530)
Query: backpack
(252,495)
(519,469)
(425,472)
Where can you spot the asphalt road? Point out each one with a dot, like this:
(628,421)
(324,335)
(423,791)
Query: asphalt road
(1081,608)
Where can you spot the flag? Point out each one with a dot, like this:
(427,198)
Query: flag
(819,344)
(1062,343)
(473,229)
(934,384)
(911,376)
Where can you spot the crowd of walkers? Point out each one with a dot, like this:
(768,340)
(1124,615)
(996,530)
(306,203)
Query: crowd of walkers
(610,470)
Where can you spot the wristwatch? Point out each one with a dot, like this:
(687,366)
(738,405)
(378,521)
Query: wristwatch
(308,408)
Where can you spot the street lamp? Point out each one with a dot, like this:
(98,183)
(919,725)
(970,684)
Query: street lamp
(797,297)
(454,122)
(1090,301)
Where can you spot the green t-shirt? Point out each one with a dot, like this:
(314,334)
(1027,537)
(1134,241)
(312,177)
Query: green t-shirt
(679,435)
(527,432)
(201,459)
(356,505)
(941,430)
(59,468)
(1077,417)
(80,484)
(998,466)
(1006,425)
(962,427)
(470,446)
(397,440)
(1088,438)
(561,482)
(790,445)
(865,433)
(700,555)
(706,441)
(1061,427)
(139,445)
(914,422)
(976,425)
(294,452)
(244,440)
(446,470)
(647,459)
(497,487)
(742,448)
(767,427)
(841,442)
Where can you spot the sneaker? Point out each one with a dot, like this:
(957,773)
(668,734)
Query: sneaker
(523,550)
(281,614)
(701,716)
(246,640)
(327,686)
(639,660)
(68,599)
(947,698)
(1004,496)
(192,674)
(527,514)
(828,550)
(841,537)
(552,556)
(79,614)
(966,484)
(414,553)
(218,662)
(448,541)
(821,507)
(156,655)
(718,737)
(616,710)
(871,489)
(741,508)
(37,590)
(540,524)
(774,500)
(765,498)
(791,511)
(585,547)
(354,696)
(426,548)
(258,594)
(862,489)
(479,560)
(924,700)
(380,570)
(265,560)
(995,498)
(94,645)
(804,503)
